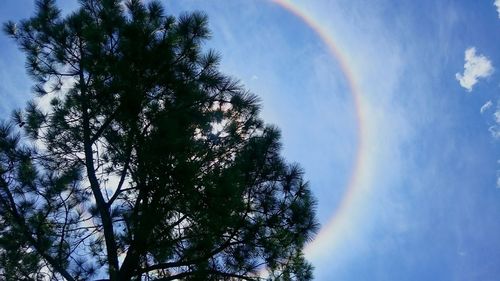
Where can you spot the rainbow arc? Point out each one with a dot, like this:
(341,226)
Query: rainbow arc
(331,232)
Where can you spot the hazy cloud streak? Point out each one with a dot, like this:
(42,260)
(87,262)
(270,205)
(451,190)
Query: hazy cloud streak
(486,106)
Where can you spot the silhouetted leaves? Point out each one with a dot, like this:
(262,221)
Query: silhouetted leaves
(148,163)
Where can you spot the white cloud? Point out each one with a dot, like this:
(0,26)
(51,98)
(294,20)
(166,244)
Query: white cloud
(476,66)
(496,115)
(495,131)
(487,105)
(497,4)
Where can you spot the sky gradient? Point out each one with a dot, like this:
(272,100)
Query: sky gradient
(425,190)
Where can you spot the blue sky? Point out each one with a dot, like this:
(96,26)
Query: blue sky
(431,206)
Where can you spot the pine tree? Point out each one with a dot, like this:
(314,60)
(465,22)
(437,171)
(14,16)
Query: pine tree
(148,164)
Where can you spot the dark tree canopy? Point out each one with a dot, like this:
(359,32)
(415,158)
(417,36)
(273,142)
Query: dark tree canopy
(148,164)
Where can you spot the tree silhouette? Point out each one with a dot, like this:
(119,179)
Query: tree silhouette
(148,164)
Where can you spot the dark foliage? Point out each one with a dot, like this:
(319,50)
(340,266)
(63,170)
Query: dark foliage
(148,164)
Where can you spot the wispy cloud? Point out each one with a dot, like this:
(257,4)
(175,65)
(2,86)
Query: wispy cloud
(495,131)
(495,128)
(496,115)
(487,105)
(476,66)
(497,4)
